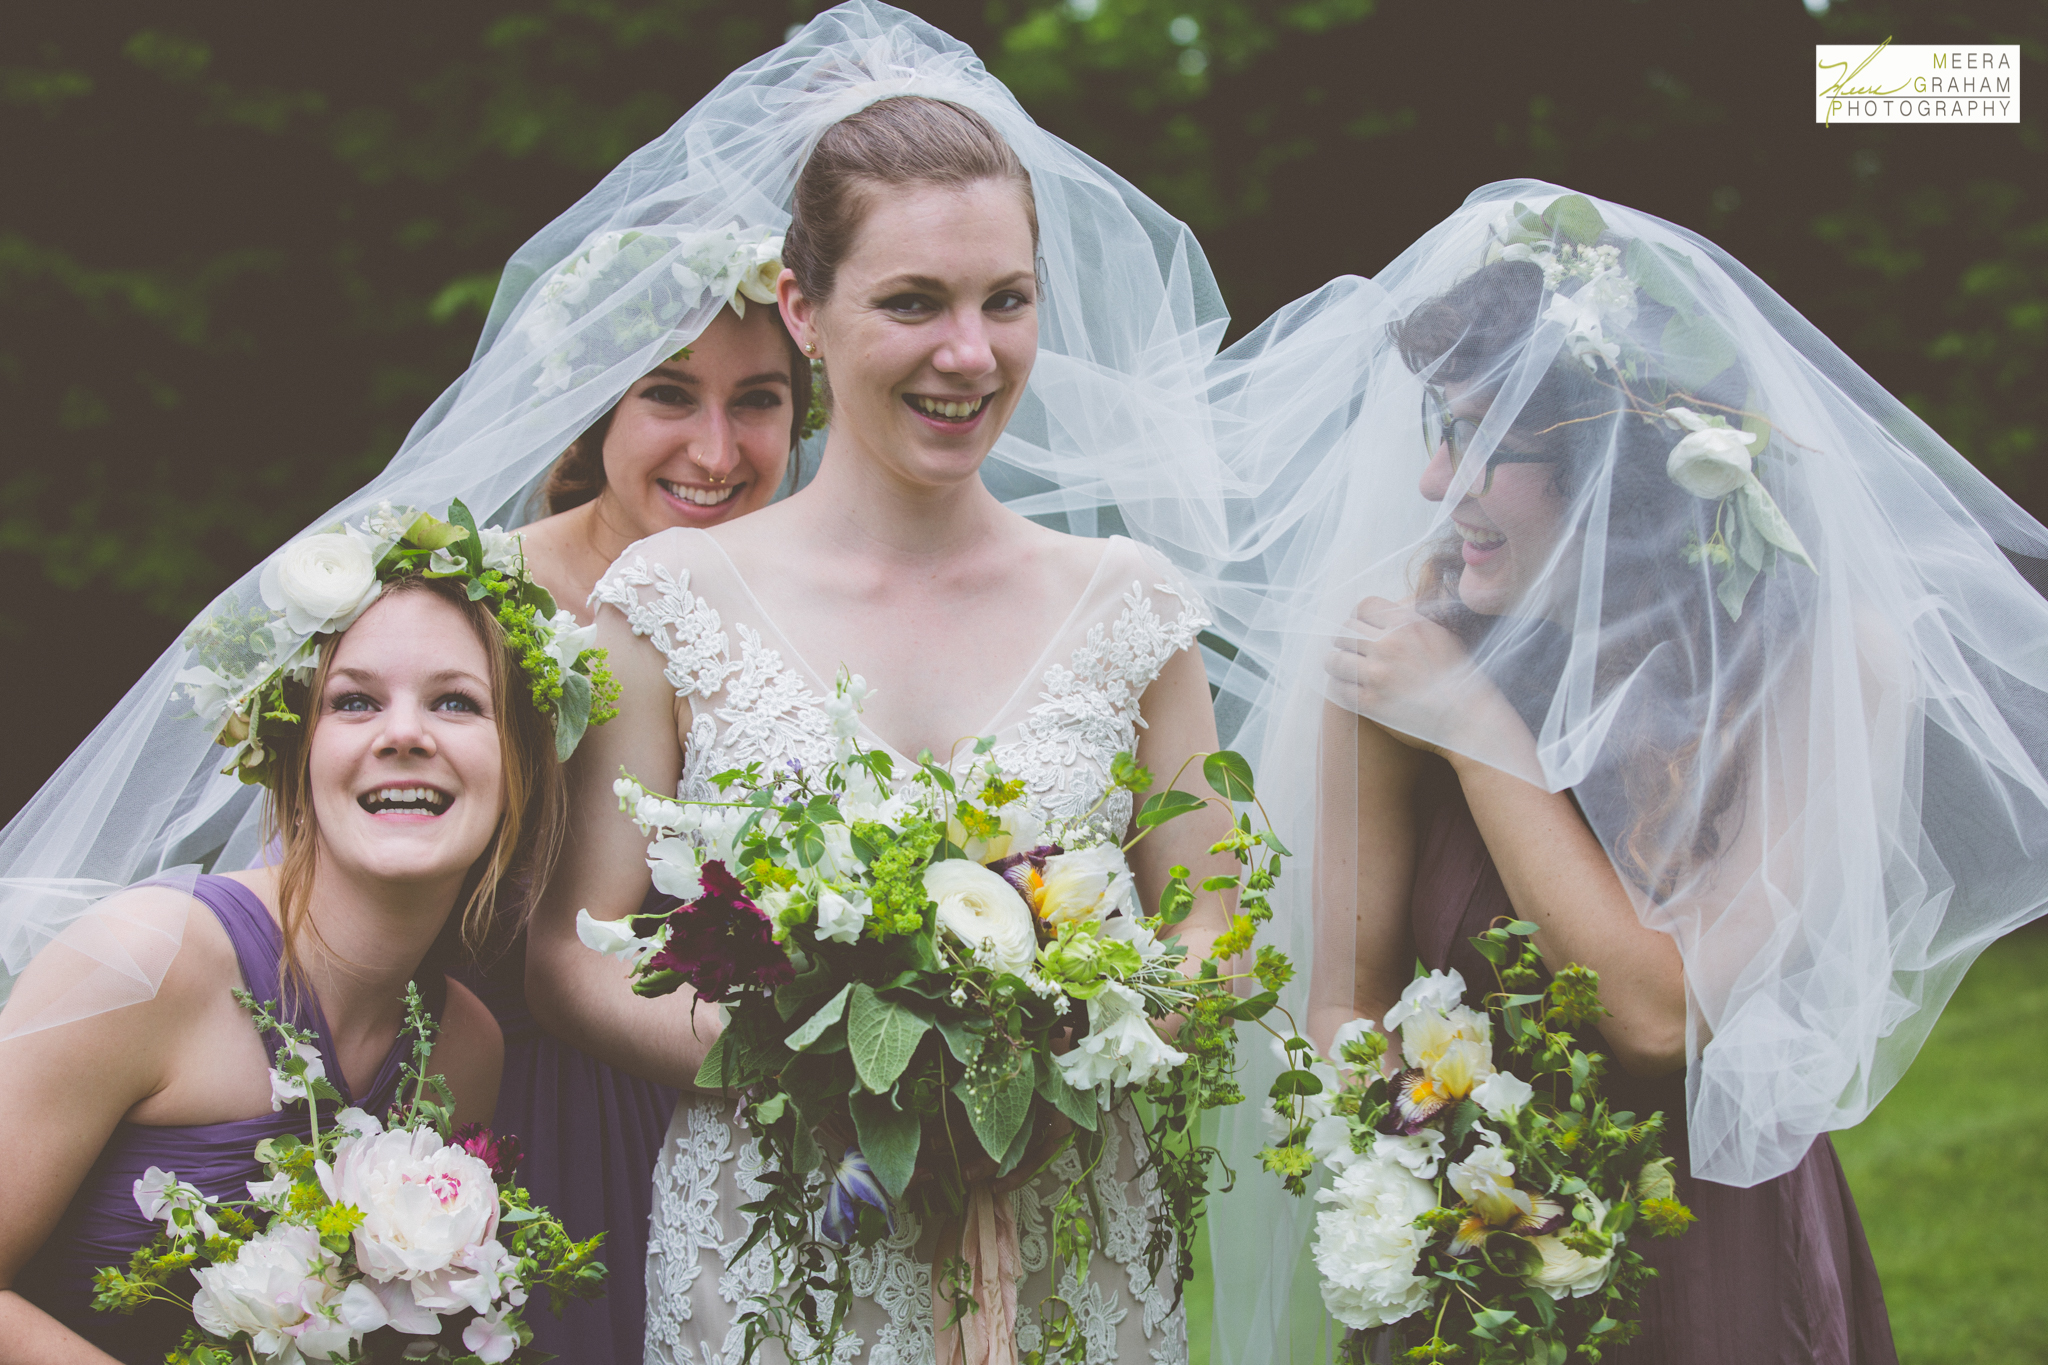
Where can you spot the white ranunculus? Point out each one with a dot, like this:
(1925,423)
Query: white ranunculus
(1121,1047)
(1082,887)
(676,867)
(841,918)
(1713,460)
(320,583)
(981,910)
(613,937)
(1367,1243)
(284,1289)
(761,268)
(1568,1273)
(1501,1094)
(425,1205)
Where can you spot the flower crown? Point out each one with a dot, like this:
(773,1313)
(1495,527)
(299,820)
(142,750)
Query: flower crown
(319,584)
(730,264)
(1595,289)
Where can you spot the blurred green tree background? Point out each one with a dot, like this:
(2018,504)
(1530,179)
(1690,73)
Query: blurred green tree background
(243,246)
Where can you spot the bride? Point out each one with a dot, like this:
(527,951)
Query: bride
(913,276)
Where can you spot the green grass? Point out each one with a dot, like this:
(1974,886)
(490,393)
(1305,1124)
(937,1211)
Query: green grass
(1951,1172)
(1950,1175)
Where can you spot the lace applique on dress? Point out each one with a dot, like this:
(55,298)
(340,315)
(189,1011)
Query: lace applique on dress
(751,704)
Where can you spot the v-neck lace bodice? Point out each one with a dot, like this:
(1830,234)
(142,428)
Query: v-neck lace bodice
(753,698)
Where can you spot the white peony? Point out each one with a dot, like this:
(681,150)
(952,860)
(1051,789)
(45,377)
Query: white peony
(1568,1273)
(1367,1243)
(840,917)
(983,911)
(1121,1047)
(1502,1094)
(320,583)
(1713,460)
(1082,887)
(284,1289)
(676,867)
(426,1206)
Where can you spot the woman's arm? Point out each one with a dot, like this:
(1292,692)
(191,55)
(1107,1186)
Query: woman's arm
(1555,871)
(1180,720)
(578,994)
(469,1054)
(62,1091)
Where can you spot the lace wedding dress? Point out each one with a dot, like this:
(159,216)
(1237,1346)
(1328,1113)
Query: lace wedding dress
(751,696)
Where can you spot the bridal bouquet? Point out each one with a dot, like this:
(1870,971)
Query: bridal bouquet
(903,961)
(1487,1208)
(366,1242)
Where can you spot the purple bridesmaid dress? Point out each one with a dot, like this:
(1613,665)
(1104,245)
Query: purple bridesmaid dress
(1777,1274)
(591,1135)
(103,1226)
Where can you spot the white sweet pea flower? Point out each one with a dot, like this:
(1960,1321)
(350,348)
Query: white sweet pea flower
(555,374)
(357,1122)
(567,640)
(676,867)
(1367,1243)
(1130,929)
(1566,1273)
(320,582)
(426,1206)
(613,938)
(269,1193)
(1439,991)
(1084,886)
(1502,1094)
(983,912)
(161,1195)
(1714,459)
(501,549)
(491,1339)
(690,282)
(1329,1141)
(286,1087)
(1417,1153)
(493,1278)
(1121,1047)
(842,917)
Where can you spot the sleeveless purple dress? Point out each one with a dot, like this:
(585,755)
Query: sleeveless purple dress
(102,1226)
(591,1135)
(1777,1274)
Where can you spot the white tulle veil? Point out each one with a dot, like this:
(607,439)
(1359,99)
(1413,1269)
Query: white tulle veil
(624,278)
(1804,707)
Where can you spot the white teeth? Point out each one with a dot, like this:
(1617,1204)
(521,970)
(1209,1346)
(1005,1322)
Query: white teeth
(940,408)
(1474,537)
(385,797)
(703,497)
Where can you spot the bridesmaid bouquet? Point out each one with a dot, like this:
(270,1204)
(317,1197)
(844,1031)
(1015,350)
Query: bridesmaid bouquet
(366,1242)
(903,964)
(1486,1208)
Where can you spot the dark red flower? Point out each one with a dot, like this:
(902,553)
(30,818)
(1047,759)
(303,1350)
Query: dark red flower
(720,942)
(499,1151)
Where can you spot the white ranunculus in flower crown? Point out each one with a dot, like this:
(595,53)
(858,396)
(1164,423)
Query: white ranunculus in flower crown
(251,670)
(904,960)
(1483,1213)
(366,1242)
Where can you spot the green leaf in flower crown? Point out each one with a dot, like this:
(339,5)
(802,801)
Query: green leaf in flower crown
(472,545)
(1574,218)
(429,532)
(1078,1105)
(1168,805)
(1696,350)
(1733,589)
(815,1026)
(1229,775)
(1650,270)
(997,1106)
(1760,510)
(881,1035)
(572,714)
(888,1139)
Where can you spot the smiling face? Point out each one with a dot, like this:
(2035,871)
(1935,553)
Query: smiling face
(704,437)
(1511,522)
(931,328)
(405,767)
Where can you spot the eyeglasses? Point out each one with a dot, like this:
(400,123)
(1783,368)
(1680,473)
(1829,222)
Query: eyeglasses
(1440,426)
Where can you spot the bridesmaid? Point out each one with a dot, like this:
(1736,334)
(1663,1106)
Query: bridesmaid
(709,435)
(420,692)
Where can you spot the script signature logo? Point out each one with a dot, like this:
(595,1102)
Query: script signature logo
(1842,90)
